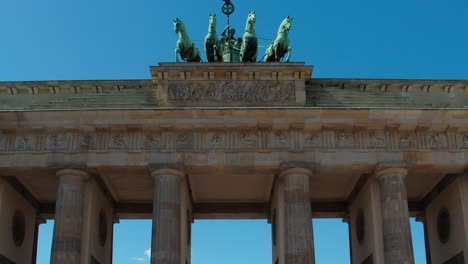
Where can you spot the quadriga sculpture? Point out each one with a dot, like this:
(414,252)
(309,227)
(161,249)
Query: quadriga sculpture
(185,47)
(280,46)
(249,46)
(213,47)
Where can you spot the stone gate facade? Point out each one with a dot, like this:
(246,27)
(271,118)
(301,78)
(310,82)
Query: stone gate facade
(214,140)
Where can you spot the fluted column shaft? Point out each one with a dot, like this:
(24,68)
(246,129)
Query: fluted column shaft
(395,216)
(166,232)
(299,246)
(66,245)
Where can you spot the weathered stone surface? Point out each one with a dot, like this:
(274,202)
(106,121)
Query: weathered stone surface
(59,95)
(366,93)
(194,93)
(239,85)
(66,245)
(395,216)
(299,246)
(166,231)
(68,140)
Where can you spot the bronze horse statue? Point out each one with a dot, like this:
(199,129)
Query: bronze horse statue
(185,47)
(280,46)
(213,48)
(248,52)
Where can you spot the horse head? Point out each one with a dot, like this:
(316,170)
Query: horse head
(286,24)
(212,20)
(250,23)
(252,18)
(178,25)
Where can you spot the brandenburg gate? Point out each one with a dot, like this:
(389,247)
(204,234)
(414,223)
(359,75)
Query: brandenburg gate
(231,141)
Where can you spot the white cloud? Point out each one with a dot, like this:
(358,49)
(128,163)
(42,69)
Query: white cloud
(148,252)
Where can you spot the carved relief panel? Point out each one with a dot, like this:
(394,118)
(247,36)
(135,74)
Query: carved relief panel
(25,142)
(281,139)
(464,140)
(407,140)
(87,142)
(56,141)
(436,140)
(184,141)
(119,140)
(3,141)
(215,140)
(376,139)
(312,140)
(232,139)
(247,139)
(230,92)
(344,139)
(152,141)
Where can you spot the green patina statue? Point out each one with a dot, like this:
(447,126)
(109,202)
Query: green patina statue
(280,46)
(185,47)
(230,45)
(229,48)
(248,52)
(213,47)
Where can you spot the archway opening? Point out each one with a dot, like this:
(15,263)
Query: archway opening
(417,237)
(132,242)
(44,242)
(231,242)
(331,241)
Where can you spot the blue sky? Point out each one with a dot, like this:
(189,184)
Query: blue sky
(104,39)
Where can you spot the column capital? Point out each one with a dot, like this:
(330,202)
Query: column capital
(295,171)
(390,171)
(73,173)
(295,167)
(168,171)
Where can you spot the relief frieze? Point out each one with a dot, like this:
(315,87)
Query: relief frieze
(119,141)
(247,140)
(3,140)
(407,140)
(230,91)
(216,140)
(437,140)
(25,143)
(152,141)
(87,142)
(184,141)
(344,139)
(465,140)
(56,142)
(376,139)
(281,139)
(242,139)
(312,140)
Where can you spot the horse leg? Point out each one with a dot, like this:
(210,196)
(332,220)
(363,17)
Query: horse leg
(276,51)
(197,57)
(215,53)
(267,54)
(177,51)
(254,59)
(289,54)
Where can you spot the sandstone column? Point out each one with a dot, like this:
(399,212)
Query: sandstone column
(166,232)
(299,246)
(66,245)
(395,216)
